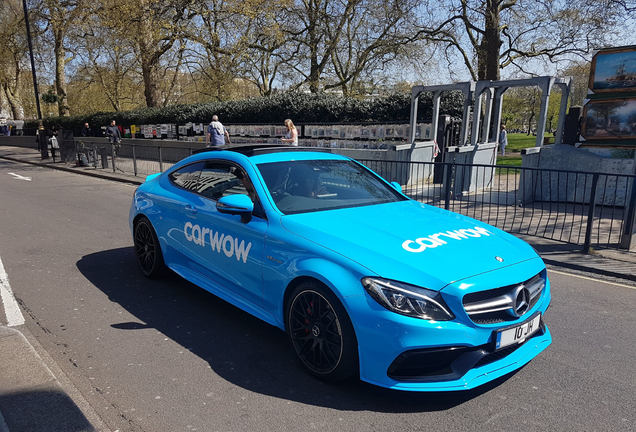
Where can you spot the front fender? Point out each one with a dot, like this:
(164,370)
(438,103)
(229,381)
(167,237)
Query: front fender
(280,280)
(343,282)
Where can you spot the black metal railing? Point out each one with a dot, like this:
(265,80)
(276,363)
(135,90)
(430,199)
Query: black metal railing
(138,160)
(590,209)
(584,208)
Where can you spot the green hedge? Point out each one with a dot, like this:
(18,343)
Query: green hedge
(301,108)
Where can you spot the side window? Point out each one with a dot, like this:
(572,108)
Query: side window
(219,179)
(188,176)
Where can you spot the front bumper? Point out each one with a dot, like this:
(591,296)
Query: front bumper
(407,353)
(479,375)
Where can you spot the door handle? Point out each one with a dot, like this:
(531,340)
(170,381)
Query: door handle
(191,209)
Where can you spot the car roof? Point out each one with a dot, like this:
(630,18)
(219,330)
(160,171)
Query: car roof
(257,149)
(263,153)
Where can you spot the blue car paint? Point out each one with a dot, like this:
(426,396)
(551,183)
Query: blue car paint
(340,247)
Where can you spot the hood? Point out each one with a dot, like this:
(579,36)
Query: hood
(412,242)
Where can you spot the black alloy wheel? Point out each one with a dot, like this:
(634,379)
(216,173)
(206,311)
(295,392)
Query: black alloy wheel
(321,333)
(147,249)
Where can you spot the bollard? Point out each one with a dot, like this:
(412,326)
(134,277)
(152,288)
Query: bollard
(104,156)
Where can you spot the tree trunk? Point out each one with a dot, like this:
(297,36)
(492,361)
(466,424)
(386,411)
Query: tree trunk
(530,123)
(151,80)
(60,75)
(149,62)
(15,102)
(314,72)
(488,52)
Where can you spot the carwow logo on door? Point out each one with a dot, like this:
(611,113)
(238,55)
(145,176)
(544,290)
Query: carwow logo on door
(218,241)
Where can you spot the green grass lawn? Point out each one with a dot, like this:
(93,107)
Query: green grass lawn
(518,141)
(509,160)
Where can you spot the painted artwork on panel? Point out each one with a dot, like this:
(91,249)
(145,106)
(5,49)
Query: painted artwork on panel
(613,70)
(610,119)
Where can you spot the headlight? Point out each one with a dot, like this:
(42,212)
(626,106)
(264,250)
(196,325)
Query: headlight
(408,299)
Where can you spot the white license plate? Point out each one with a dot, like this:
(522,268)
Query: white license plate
(518,334)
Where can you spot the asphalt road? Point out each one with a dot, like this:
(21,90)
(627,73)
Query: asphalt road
(168,356)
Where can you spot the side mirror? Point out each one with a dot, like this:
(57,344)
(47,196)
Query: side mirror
(236,205)
(397,186)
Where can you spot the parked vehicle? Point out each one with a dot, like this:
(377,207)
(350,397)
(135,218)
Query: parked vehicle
(365,281)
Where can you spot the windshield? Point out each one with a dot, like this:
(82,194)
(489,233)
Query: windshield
(316,185)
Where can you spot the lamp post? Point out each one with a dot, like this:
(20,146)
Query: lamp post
(42,141)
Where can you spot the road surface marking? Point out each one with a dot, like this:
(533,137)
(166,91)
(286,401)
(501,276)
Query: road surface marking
(19,177)
(11,308)
(592,279)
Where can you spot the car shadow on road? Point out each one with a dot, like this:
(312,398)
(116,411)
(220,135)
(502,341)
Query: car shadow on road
(239,347)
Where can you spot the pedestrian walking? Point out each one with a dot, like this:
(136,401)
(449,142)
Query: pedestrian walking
(53,144)
(114,137)
(503,139)
(216,134)
(292,133)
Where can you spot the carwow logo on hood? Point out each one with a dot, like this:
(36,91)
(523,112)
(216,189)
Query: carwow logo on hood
(434,240)
(219,241)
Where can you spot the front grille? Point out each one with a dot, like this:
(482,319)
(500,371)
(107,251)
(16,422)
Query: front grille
(493,306)
(492,318)
(425,363)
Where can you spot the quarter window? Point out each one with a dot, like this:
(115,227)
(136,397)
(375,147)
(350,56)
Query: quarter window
(188,176)
(220,179)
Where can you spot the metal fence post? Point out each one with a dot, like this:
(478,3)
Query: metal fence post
(134,159)
(628,227)
(160,160)
(112,155)
(590,214)
(447,184)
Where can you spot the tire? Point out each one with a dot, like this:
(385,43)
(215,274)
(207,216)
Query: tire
(148,250)
(321,333)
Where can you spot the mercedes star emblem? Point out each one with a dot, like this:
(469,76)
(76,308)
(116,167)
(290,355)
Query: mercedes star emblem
(522,302)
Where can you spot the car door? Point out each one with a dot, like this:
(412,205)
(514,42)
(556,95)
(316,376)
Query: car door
(222,247)
(176,187)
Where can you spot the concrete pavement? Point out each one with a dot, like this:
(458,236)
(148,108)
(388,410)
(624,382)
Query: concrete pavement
(33,397)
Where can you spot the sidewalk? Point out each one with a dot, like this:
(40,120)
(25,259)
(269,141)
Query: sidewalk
(32,398)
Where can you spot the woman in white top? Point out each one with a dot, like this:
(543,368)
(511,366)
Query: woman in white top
(292,133)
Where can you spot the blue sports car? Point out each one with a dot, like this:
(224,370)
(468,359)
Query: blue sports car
(365,281)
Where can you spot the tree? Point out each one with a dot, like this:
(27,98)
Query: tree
(490,35)
(106,65)
(13,45)
(315,28)
(268,53)
(57,18)
(219,33)
(374,33)
(580,73)
(154,27)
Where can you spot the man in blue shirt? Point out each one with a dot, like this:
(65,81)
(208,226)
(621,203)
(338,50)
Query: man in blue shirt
(216,133)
